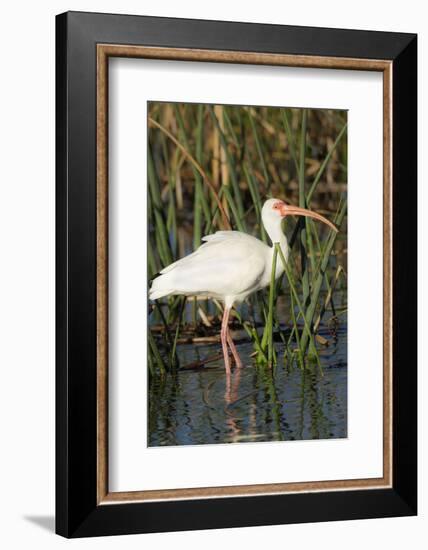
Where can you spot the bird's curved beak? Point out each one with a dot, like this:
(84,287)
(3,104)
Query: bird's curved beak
(290,210)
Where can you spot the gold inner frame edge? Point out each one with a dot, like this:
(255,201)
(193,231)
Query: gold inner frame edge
(104,51)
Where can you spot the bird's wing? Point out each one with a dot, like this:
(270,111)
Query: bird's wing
(228,263)
(229,236)
(208,246)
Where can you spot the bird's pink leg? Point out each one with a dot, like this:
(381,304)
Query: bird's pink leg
(224,333)
(234,350)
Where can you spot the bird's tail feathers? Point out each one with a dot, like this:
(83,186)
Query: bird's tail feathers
(156,294)
(159,289)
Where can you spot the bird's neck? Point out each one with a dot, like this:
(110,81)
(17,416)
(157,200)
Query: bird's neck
(276,235)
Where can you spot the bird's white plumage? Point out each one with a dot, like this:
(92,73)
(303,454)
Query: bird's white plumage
(229,265)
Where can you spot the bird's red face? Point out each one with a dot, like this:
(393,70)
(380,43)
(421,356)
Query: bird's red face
(279,207)
(282,209)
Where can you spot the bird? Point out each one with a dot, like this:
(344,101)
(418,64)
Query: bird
(230,265)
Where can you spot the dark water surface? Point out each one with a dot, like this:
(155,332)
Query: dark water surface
(196,407)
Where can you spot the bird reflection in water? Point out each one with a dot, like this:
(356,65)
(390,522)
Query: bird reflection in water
(204,406)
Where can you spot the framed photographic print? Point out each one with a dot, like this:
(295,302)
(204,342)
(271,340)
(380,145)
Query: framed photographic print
(236,274)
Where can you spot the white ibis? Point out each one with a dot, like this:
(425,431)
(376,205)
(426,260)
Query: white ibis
(230,265)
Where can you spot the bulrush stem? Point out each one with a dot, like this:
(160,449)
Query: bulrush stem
(302,203)
(174,357)
(225,219)
(299,305)
(319,279)
(271,351)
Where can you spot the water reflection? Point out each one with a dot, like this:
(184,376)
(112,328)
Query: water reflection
(203,406)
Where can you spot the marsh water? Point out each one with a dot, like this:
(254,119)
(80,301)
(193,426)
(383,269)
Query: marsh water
(197,406)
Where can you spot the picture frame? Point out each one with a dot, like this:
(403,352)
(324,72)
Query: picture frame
(84,44)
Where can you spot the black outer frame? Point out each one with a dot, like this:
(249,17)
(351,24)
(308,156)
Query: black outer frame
(77,513)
